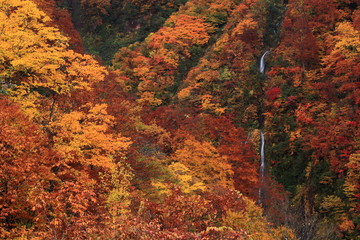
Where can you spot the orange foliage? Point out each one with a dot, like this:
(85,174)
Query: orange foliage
(85,137)
(105,159)
(205,163)
(26,176)
(36,62)
(61,18)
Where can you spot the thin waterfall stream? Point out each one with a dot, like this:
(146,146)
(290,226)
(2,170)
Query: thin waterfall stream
(262,139)
(262,62)
(262,165)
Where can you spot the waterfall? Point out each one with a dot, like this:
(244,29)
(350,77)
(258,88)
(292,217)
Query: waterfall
(262,164)
(262,154)
(262,62)
(262,138)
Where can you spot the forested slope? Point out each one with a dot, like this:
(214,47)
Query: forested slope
(142,119)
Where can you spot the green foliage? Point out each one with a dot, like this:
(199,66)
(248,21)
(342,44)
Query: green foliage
(124,24)
(271,13)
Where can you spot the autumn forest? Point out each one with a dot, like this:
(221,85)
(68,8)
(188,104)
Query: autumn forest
(180,119)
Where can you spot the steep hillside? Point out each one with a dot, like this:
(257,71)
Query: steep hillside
(171,129)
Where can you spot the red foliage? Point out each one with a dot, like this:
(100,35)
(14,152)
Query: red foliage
(61,19)
(273,93)
(25,175)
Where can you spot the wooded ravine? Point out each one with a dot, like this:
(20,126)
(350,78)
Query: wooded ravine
(180,119)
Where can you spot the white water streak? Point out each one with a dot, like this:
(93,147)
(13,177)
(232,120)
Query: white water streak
(262,62)
(262,164)
(262,148)
(262,155)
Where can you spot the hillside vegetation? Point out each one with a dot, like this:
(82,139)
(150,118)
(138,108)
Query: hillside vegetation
(142,119)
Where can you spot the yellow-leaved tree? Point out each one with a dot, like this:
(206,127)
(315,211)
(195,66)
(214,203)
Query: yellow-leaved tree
(91,168)
(85,136)
(205,162)
(35,62)
(251,219)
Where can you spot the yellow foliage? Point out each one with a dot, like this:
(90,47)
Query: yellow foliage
(185,93)
(190,29)
(168,56)
(245,25)
(162,188)
(86,136)
(283,233)
(118,199)
(205,162)
(251,220)
(160,134)
(27,45)
(352,191)
(188,183)
(207,103)
(181,31)
(34,57)
(348,40)
(332,204)
(149,98)
(352,186)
